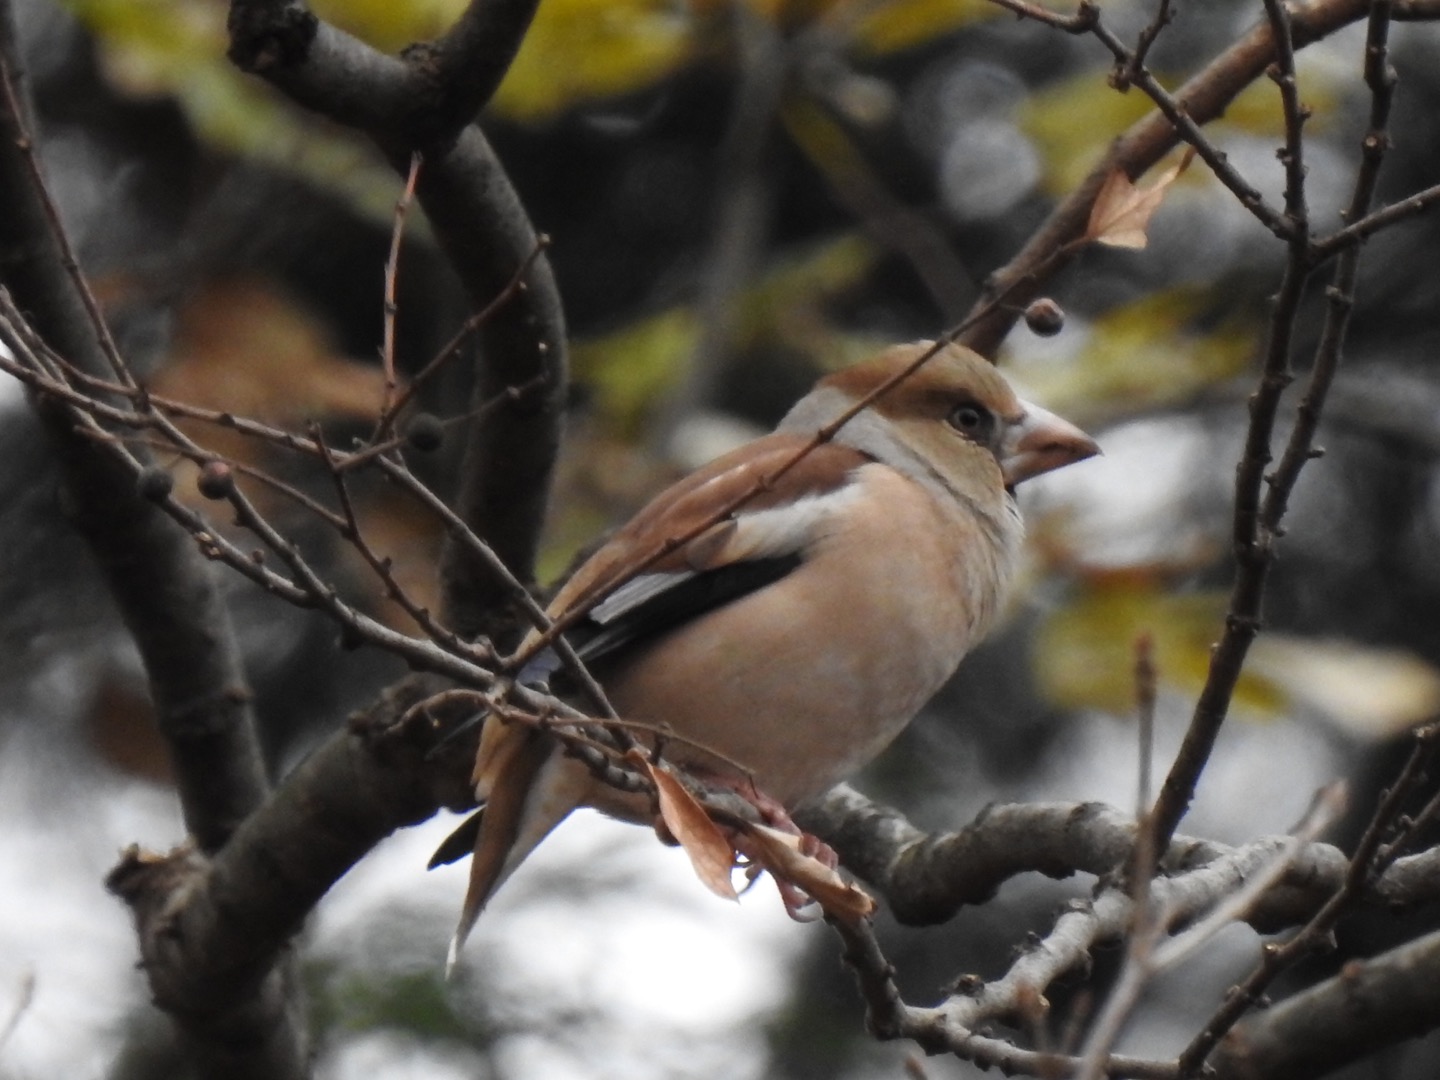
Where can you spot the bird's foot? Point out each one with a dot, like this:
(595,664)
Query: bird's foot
(774,814)
(799,904)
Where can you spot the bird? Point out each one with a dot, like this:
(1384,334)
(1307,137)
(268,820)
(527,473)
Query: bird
(785,610)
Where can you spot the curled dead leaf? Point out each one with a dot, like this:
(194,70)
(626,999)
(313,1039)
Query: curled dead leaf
(710,851)
(1122,211)
(781,854)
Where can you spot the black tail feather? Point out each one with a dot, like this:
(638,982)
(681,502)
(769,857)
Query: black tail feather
(459,843)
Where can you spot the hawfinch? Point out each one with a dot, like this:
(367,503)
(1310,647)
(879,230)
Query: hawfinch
(798,634)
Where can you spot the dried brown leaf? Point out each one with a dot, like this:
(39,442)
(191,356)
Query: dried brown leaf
(1122,211)
(781,854)
(711,853)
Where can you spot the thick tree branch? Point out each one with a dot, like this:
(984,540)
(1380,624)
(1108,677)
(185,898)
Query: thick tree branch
(422,105)
(1201,891)
(167,595)
(213,933)
(1370,1005)
(926,878)
(212,930)
(469,61)
(505,477)
(419,101)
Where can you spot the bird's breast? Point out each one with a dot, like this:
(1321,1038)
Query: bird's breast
(804,681)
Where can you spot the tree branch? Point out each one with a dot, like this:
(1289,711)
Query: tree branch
(422,104)
(167,595)
(1202,98)
(1370,1005)
(926,878)
(214,930)
(505,477)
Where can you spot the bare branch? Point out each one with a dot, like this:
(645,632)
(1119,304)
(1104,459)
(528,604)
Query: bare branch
(1086,13)
(424,103)
(392,272)
(926,878)
(1370,1005)
(1257,524)
(1202,98)
(166,594)
(212,959)
(1318,933)
(1359,231)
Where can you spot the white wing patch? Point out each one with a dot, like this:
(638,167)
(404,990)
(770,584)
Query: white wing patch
(776,531)
(635,592)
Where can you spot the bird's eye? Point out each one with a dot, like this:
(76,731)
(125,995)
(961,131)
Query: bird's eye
(971,420)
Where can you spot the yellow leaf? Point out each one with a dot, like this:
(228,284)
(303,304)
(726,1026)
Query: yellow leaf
(1072,122)
(582,50)
(1371,692)
(1084,659)
(388,25)
(632,366)
(1084,653)
(1122,211)
(711,853)
(150,48)
(904,24)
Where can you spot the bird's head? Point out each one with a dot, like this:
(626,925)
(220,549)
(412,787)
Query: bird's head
(956,421)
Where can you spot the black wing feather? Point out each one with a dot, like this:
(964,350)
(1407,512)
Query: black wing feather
(653,604)
(459,843)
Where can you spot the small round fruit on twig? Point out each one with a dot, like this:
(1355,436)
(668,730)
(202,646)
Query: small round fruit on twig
(216,480)
(1044,317)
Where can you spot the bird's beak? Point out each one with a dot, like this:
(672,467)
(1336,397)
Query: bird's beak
(1041,442)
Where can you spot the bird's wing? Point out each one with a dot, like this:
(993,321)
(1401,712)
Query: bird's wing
(757,545)
(636,598)
(648,605)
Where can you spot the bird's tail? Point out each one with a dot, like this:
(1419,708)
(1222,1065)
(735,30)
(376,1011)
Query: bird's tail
(526,795)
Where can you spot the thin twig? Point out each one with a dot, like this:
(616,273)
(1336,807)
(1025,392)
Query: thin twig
(1360,230)
(1124,76)
(1295,115)
(1086,14)
(1146,688)
(26,145)
(1318,933)
(1175,111)
(459,659)
(1256,525)
(392,272)
(467,330)
(351,530)
(1146,956)
(537,615)
(1340,296)
(1325,809)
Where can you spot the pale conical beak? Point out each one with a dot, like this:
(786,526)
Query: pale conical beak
(1041,442)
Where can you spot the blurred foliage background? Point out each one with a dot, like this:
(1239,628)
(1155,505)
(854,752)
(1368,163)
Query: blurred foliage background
(740,197)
